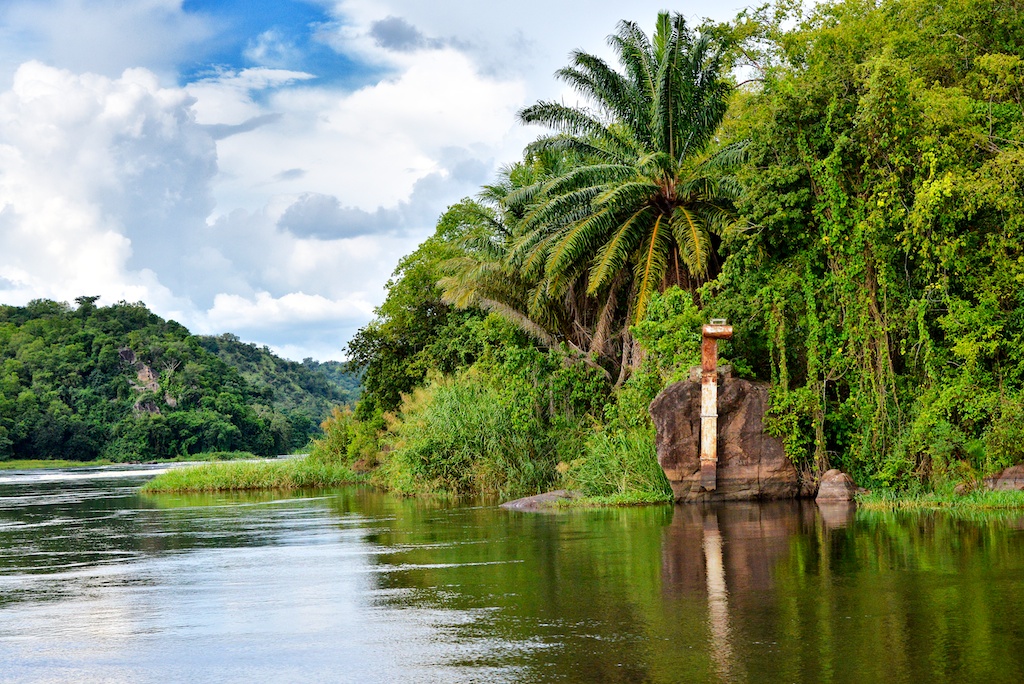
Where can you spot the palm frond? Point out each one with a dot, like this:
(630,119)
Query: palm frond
(692,237)
(614,254)
(652,265)
(520,319)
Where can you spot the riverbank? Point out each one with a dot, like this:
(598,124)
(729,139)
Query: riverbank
(297,473)
(37,463)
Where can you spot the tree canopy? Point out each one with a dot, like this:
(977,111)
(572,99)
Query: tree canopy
(120,382)
(873,155)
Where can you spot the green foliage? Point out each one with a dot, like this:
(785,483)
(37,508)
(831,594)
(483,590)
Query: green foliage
(459,435)
(670,334)
(349,440)
(119,382)
(620,464)
(296,396)
(499,427)
(978,500)
(881,279)
(414,331)
(877,283)
(1004,440)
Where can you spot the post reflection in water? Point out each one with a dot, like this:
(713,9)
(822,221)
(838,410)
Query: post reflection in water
(718,596)
(730,553)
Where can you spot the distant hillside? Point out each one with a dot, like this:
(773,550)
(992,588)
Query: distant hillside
(120,382)
(309,388)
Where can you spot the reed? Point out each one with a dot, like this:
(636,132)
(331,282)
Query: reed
(618,467)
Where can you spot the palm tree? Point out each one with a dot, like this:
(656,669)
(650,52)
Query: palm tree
(489,274)
(647,205)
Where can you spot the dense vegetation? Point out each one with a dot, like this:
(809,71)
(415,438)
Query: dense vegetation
(119,382)
(846,187)
(304,392)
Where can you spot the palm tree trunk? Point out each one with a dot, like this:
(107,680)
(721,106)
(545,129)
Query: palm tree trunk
(604,322)
(627,347)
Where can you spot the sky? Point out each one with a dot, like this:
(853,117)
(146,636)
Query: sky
(259,167)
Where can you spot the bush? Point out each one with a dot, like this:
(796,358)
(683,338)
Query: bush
(462,436)
(620,465)
(1004,441)
(346,439)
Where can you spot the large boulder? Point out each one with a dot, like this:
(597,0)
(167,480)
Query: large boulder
(751,464)
(836,486)
(1011,478)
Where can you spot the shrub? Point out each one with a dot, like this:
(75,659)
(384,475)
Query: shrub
(620,464)
(463,436)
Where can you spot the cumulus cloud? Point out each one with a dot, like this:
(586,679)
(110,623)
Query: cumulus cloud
(95,175)
(369,147)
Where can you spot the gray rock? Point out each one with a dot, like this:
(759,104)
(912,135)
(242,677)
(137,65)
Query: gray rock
(836,486)
(751,464)
(548,501)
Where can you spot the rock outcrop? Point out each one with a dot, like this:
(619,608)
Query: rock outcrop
(1011,478)
(751,464)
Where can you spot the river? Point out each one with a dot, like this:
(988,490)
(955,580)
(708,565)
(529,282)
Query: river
(101,584)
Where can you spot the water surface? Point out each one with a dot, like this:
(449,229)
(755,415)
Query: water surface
(98,583)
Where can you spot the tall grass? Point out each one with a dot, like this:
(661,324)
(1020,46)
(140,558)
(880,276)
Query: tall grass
(619,466)
(977,500)
(459,435)
(297,473)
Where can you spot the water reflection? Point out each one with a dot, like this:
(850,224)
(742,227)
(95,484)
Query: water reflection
(718,596)
(98,584)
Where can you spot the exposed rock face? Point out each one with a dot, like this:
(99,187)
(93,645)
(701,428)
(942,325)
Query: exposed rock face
(1011,478)
(836,486)
(751,464)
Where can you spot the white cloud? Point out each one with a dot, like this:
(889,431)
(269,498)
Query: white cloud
(527,39)
(264,201)
(368,148)
(87,163)
(101,36)
(232,312)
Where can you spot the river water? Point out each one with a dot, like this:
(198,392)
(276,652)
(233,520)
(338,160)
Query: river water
(101,584)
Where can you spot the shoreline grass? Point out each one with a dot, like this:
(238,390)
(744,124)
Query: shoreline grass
(977,500)
(614,501)
(298,473)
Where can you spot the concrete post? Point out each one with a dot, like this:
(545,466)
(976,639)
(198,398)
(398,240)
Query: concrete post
(717,330)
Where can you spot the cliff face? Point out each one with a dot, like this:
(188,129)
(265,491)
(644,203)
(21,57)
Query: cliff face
(751,464)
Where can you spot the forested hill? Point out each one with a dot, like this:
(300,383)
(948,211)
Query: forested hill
(310,386)
(86,381)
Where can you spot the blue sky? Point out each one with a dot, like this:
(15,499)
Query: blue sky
(282,34)
(260,166)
